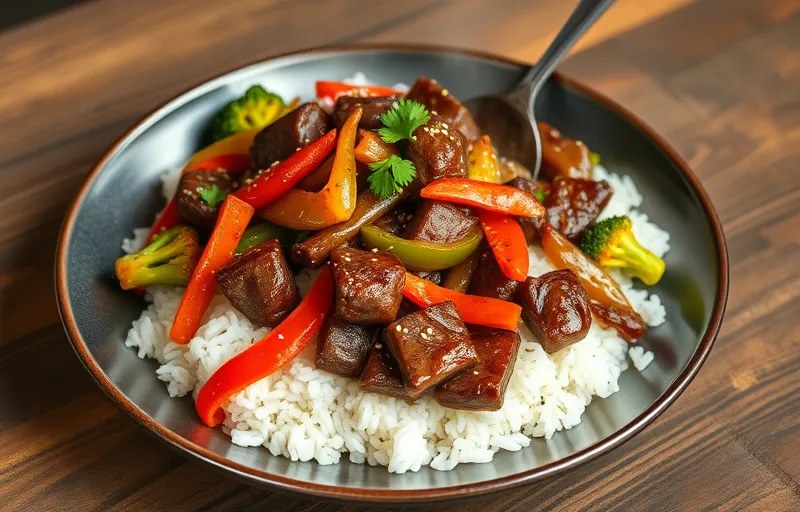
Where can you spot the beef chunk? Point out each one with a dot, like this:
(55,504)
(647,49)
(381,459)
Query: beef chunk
(343,348)
(395,221)
(430,346)
(369,286)
(555,307)
(530,225)
(442,103)
(372,109)
(440,222)
(382,375)
(258,283)
(439,151)
(191,206)
(490,281)
(562,156)
(628,323)
(574,204)
(298,128)
(483,387)
(434,276)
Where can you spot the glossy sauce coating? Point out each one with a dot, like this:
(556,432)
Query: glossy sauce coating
(439,151)
(555,307)
(483,387)
(490,281)
(574,204)
(440,222)
(440,102)
(430,346)
(372,107)
(343,348)
(562,156)
(298,128)
(369,286)
(258,283)
(382,374)
(192,208)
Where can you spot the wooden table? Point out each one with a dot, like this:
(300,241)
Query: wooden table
(719,78)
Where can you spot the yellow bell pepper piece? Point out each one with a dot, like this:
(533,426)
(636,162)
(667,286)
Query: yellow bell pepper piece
(483,163)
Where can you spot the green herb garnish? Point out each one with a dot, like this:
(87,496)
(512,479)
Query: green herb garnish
(594,158)
(400,121)
(212,196)
(540,195)
(390,175)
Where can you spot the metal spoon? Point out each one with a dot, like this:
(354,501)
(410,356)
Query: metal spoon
(509,118)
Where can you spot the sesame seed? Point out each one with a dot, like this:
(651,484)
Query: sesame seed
(405,331)
(374,259)
(475,372)
(445,132)
(374,249)
(424,336)
(280,336)
(430,331)
(378,346)
(347,259)
(390,248)
(398,328)
(445,92)
(434,112)
(445,125)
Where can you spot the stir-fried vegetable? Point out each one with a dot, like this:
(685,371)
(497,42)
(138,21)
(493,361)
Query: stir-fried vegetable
(276,183)
(483,162)
(487,196)
(264,231)
(611,243)
(400,121)
(300,209)
(315,250)
(269,354)
(473,309)
(507,240)
(371,148)
(420,255)
(168,260)
(332,90)
(459,277)
(255,110)
(233,219)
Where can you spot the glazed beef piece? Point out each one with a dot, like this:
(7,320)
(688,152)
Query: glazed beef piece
(369,286)
(382,375)
(562,156)
(258,283)
(430,346)
(439,151)
(435,276)
(371,116)
(555,307)
(440,102)
(530,225)
(278,141)
(628,323)
(343,348)
(488,280)
(396,221)
(191,206)
(440,222)
(574,204)
(483,387)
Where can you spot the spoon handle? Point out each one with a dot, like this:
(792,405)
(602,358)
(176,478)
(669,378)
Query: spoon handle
(581,18)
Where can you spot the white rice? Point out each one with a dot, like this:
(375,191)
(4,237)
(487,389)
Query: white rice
(303,413)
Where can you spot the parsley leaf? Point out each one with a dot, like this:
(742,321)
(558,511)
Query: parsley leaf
(212,196)
(400,121)
(390,175)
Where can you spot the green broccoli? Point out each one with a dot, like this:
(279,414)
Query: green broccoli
(256,109)
(611,243)
(169,259)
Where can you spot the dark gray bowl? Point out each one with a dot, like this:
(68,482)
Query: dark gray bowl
(122,192)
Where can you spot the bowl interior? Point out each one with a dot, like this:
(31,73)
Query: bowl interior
(125,194)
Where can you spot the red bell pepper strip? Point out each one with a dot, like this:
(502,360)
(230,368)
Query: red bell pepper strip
(269,354)
(473,309)
(169,218)
(507,240)
(333,90)
(484,195)
(234,215)
(275,182)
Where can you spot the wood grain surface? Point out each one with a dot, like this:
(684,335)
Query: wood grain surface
(720,79)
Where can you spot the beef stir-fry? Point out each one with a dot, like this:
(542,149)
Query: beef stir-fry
(418,235)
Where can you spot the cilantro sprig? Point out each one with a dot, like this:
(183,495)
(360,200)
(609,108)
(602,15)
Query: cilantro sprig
(212,196)
(400,121)
(390,175)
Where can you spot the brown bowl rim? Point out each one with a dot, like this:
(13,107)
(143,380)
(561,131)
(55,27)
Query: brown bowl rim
(281,483)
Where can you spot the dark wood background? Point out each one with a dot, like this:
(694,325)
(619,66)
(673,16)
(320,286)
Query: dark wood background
(719,78)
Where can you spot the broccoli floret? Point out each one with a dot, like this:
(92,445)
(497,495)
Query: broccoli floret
(256,109)
(611,243)
(169,260)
